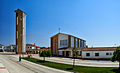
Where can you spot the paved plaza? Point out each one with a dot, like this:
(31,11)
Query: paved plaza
(10,64)
(92,63)
(3,69)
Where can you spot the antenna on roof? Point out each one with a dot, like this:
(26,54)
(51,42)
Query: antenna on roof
(59,30)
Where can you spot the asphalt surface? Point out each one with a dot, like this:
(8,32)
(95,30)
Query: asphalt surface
(14,66)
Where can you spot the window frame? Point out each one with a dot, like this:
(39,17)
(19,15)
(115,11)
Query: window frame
(63,42)
(107,53)
(87,54)
(97,54)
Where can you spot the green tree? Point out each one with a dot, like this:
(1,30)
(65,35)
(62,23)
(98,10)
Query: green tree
(116,56)
(45,53)
(74,55)
(49,54)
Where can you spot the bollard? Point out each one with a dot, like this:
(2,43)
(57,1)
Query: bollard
(19,58)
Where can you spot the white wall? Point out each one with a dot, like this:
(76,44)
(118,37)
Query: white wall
(102,54)
(12,47)
(71,53)
(24,33)
(33,47)
(62,37)
(2,47)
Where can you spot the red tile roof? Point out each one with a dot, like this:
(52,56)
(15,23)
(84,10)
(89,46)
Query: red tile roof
(100,49)
(32,45)
(36,49)
(10,46)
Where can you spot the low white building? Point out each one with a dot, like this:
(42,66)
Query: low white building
(32,46)
(10,48)
(1,46)
(98,53)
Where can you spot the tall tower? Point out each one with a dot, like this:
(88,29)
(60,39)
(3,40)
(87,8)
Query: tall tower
(20,31)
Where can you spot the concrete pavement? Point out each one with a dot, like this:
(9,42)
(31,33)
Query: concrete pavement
(92,63)
(3,69)
(13,66)
(9,64)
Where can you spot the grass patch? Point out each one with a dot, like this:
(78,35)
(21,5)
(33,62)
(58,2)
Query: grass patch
(80,69)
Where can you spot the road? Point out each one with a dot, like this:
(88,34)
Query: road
(92,63)
(14,66)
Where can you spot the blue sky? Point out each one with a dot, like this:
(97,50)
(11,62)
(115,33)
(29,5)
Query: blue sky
(96,21)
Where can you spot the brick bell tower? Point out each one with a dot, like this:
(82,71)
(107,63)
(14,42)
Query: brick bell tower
(20,32)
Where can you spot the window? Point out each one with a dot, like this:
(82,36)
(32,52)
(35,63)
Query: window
(63,42)
(72,41)
(79,43)
(107,53)
(79,53)
(76,43)
(55,45)
(110,53)
(21,19)
(87,54)
(96,54)
(84,44)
